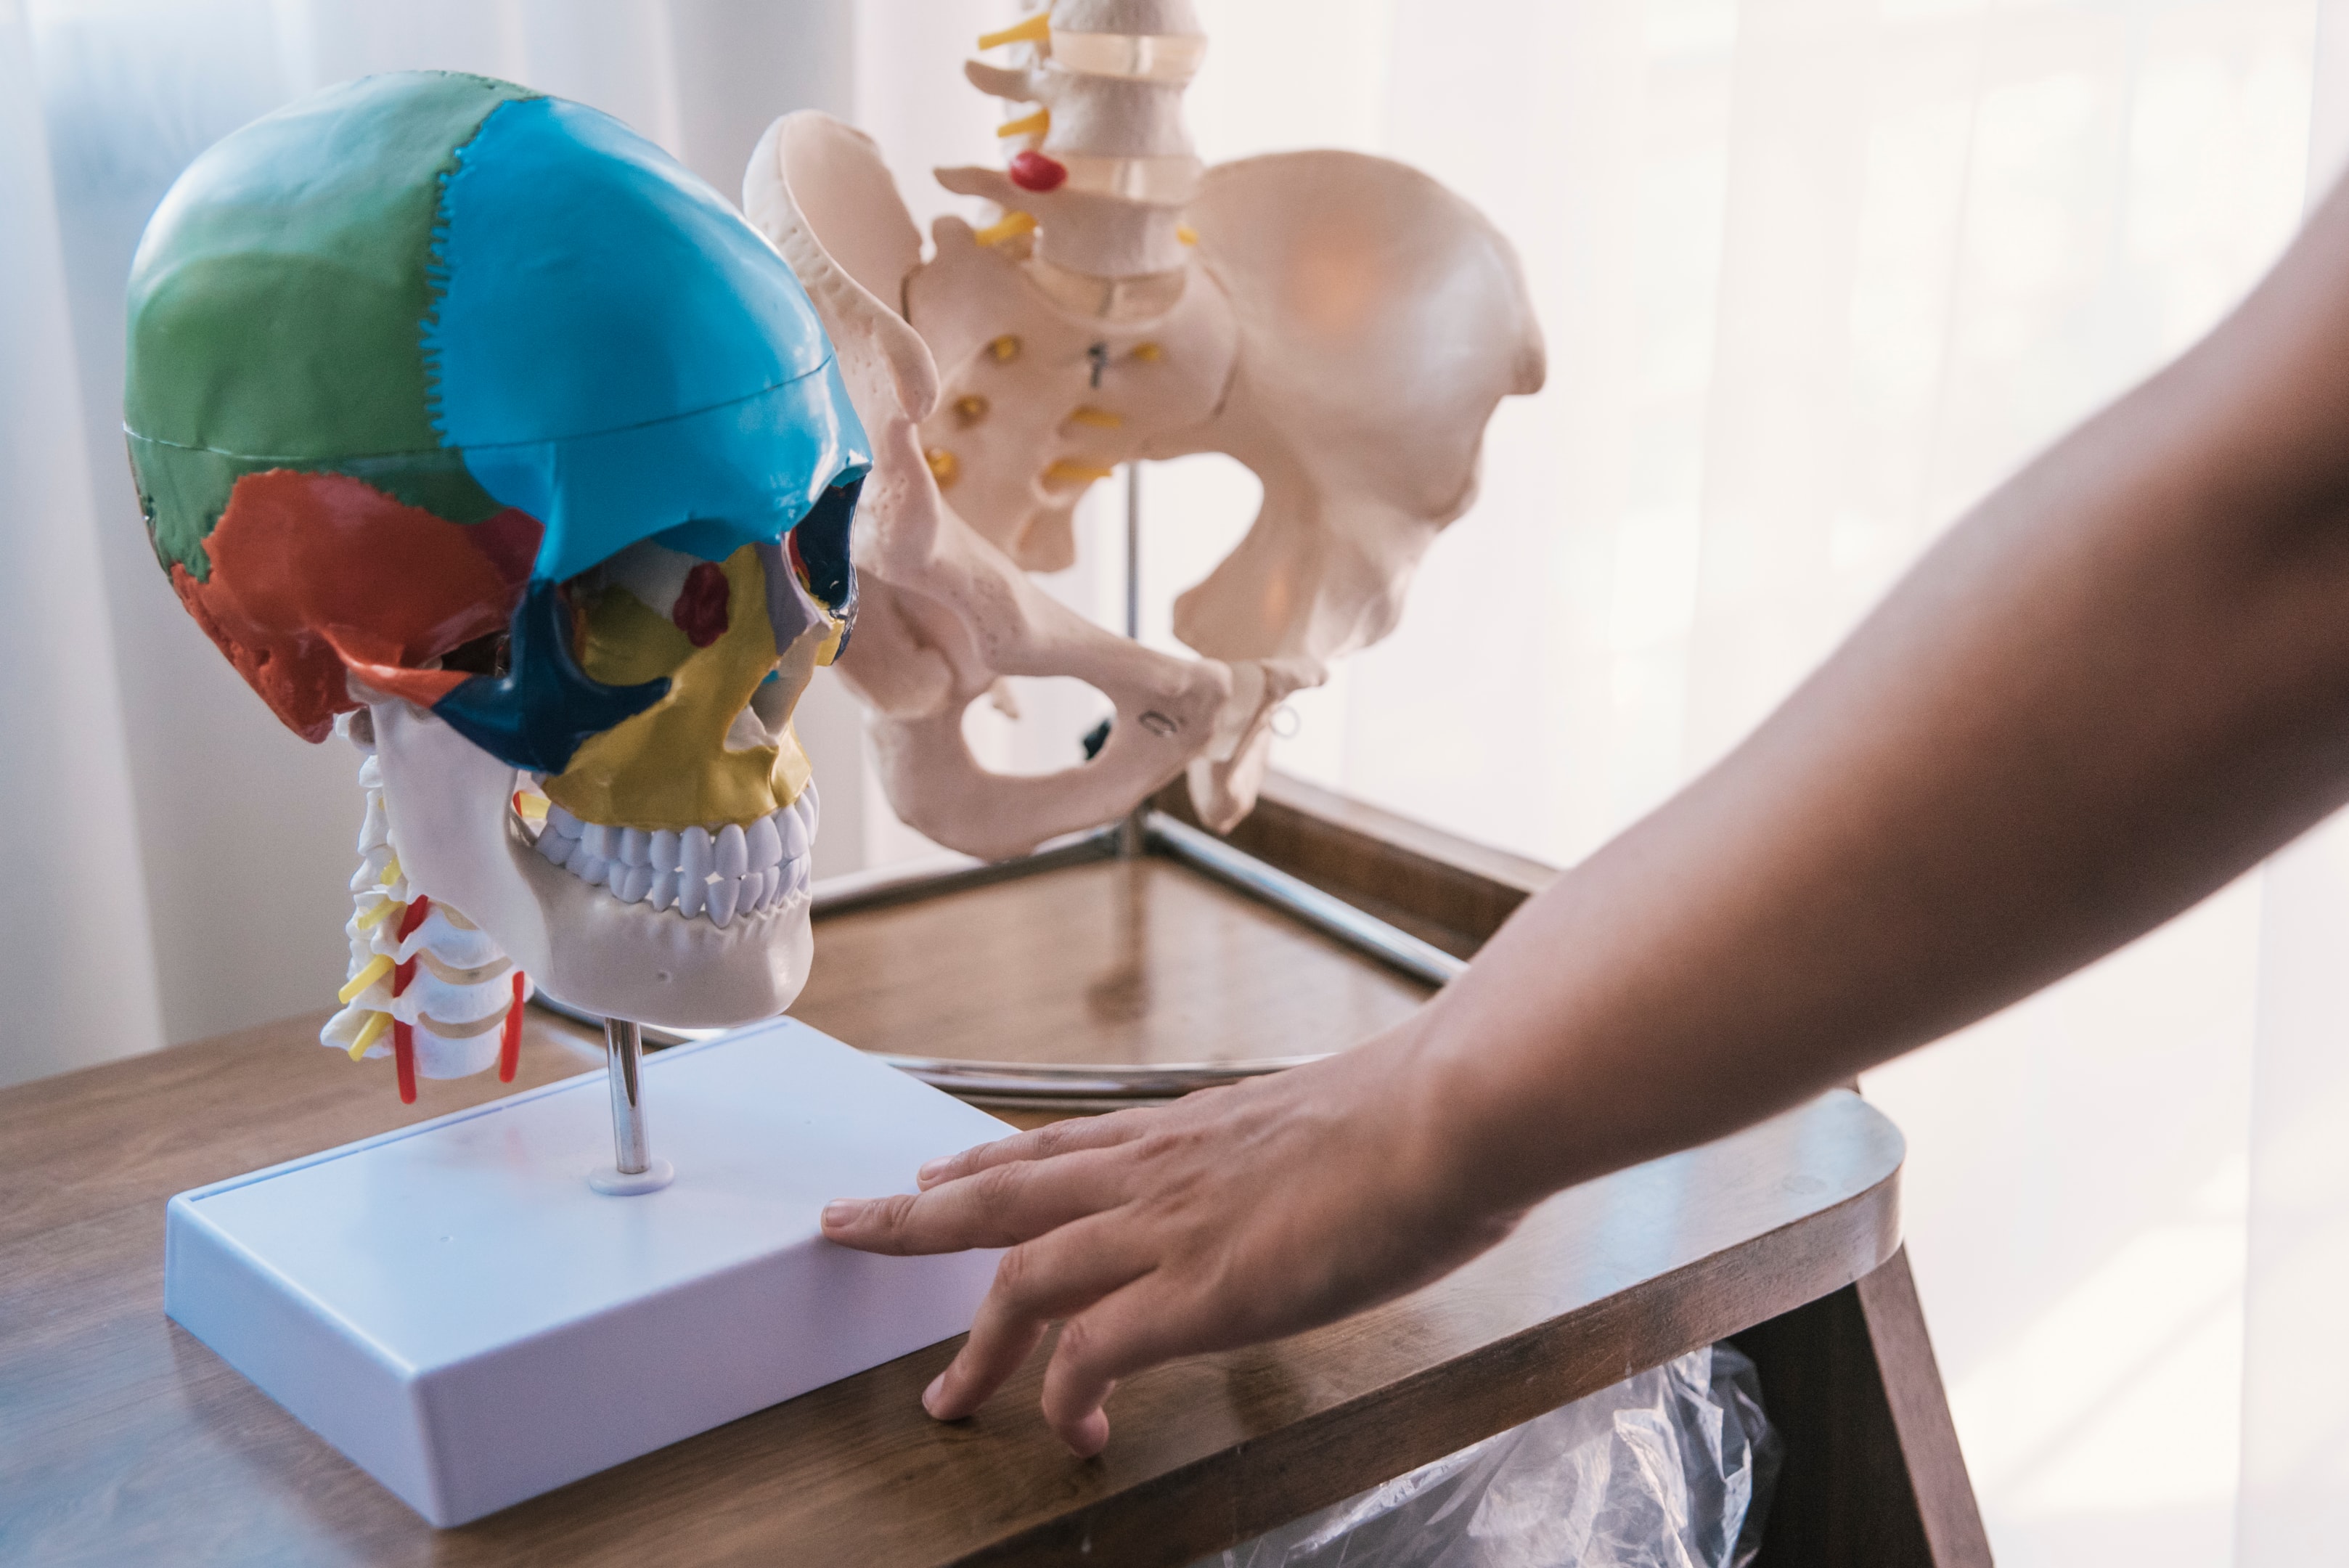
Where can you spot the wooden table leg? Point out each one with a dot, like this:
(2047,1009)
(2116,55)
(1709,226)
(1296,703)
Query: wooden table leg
(1872,1476)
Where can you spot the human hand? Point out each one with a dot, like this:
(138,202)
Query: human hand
(1233,1216)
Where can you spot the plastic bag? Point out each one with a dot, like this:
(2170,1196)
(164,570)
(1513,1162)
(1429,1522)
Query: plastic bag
(1671,1468)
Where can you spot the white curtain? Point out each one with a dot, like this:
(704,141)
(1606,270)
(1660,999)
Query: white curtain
(78,967)
(2294,1503)
(1815,274)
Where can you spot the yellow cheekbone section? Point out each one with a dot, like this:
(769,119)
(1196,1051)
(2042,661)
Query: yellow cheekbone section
(669,767)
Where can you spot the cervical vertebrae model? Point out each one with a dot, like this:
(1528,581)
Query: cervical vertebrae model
(425,984)
(1343,325)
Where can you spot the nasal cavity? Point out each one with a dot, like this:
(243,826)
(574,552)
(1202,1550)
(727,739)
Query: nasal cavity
(700,609)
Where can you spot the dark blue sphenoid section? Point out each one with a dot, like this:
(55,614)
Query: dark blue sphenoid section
(544,707)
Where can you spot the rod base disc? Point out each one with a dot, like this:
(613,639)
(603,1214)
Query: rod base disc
(612,1182)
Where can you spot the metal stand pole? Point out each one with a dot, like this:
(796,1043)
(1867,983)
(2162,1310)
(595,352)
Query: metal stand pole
(632,1152)
(1132,843)
(1134,549)
(632,1168)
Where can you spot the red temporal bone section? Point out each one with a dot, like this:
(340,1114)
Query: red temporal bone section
(314,575)
(1033,170)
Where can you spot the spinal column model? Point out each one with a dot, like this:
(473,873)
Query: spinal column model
(468,415)
(1341,325)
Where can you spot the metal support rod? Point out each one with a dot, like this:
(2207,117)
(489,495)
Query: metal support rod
(1130,837)
(624,1052)
(1333,917)
(1134,549)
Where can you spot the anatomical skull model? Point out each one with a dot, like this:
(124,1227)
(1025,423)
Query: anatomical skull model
(1341,325)
(469,416)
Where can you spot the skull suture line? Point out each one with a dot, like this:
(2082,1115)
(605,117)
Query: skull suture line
(1341,325)
(473,406)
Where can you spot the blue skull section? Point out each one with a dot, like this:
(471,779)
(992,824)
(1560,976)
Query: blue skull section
(617,354)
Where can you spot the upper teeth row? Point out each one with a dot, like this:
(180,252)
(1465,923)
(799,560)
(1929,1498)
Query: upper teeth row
(734,870)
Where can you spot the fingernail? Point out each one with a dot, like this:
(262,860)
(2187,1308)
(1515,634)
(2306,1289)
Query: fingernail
(841,1211)
(931,1395)
(932,1171)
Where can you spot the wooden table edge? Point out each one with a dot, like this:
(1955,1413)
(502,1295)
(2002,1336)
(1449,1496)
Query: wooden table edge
(1223,1498)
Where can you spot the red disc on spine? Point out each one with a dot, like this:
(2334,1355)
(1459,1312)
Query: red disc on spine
(1033,170)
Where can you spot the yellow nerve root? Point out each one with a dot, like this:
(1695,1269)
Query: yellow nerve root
(376,1024)
(1035,124)
(1034,29)
(1100,418)
(1187,233)
(1010,226)
(1063,471)
(391,873)
(378,967)
(377,915)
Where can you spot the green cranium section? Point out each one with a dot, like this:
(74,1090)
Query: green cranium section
(277,307)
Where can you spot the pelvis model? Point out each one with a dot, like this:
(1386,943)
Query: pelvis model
(1343,325)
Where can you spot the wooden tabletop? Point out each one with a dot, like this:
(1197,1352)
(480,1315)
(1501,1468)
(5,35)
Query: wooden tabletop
(124,1439)
(1130,962)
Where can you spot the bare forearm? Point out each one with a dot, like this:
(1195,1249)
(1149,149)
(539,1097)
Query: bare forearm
(2119,683)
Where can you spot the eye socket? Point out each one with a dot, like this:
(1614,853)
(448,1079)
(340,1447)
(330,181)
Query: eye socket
(488,654)
(539,713)
(819,548)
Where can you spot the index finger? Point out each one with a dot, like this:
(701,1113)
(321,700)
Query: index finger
(1000,1206)
(1068,1137)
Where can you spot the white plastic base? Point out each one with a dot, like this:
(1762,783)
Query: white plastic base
(455,1309)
